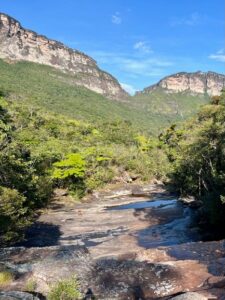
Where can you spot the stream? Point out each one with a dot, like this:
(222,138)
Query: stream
(125,243)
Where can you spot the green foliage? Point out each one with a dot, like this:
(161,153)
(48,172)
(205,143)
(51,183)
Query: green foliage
(31,285)
(56,92)
(67,289)
(5,277)
(13,215)
(71,167)
(42,150)
(199,158)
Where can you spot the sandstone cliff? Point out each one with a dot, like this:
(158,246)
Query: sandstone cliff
(17,43)
(197,83)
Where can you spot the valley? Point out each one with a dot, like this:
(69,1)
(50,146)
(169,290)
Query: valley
(104,195)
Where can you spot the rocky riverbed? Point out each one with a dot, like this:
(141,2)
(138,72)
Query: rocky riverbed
(132,242)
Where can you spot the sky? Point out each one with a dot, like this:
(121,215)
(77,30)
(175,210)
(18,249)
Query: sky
(137,41)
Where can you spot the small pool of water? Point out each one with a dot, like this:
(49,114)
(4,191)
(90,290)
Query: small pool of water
(175,222)
(158,203)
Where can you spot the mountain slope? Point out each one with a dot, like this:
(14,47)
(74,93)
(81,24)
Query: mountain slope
(18,44)
(44,72)
(179,96)
(49,88)
(55,91)
(210,83)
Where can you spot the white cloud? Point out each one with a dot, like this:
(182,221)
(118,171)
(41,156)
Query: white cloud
(219,55)
(192,20)
(129,88)
(143,46)
(133,65)
(116,18)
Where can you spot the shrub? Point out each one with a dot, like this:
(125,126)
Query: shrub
(5,278)
(13,214)
(67,289)
(31,285)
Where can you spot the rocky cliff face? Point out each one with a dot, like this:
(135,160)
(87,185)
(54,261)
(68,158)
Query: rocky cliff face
(17,43)
(197,83)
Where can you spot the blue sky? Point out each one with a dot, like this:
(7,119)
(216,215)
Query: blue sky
(137,41)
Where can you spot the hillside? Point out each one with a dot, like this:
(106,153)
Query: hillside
(54,90)
(44,72)
(179,96)
(169,107)
(20,44)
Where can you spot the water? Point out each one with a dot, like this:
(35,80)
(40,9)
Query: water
(175,222)
(158,203)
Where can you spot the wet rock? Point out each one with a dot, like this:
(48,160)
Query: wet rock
(191,201)
(187,199)
(190,296)
(14,295)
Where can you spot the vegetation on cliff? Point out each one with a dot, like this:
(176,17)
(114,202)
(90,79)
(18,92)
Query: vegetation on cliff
(55,91)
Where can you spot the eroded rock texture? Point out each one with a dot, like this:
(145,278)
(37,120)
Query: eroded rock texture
(17,43)
(198,83)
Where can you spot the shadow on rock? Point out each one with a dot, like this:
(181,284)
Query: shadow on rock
(130,280)
(41,234)
(168,225)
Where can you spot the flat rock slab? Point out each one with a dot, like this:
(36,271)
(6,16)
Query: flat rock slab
(15,295)
(190,296)
(101,246)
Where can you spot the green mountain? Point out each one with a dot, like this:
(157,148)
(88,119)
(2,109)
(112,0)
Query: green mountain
(44,72)
(55,91)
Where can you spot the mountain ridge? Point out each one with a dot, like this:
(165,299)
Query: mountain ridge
(198,82)
(18,43)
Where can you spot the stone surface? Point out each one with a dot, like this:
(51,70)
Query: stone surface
(196,83)
(189,296)
(16,295)
(17,43)
(101,246)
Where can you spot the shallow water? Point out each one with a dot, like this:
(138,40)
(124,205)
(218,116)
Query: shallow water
(157,203)
(176,222)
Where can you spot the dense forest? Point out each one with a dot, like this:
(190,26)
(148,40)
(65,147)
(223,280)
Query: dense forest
(197,155)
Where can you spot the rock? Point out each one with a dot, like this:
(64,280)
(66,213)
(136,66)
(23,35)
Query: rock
(61,192)
(129,279)
(198,83)
(191,201)
(14,295)
(18,44)
(190,296)
(45,265)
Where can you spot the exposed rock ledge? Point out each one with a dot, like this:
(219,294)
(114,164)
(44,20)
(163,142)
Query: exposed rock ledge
(108,258)
(17,43)
(210,83)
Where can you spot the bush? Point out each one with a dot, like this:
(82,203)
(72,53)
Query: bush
(13,215)
(31,285)
(67,289)
(5,278)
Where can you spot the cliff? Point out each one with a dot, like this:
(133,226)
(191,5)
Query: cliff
(210,83)
(17,43)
